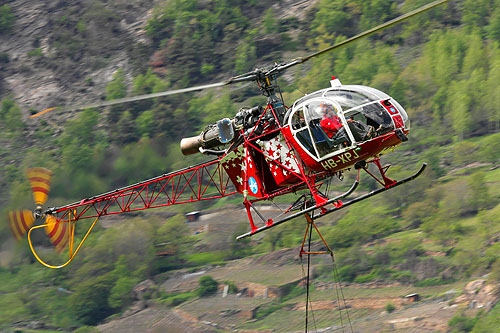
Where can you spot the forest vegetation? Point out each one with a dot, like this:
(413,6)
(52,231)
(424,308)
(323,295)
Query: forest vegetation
(442,66)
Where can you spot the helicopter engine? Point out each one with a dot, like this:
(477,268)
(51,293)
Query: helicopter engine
(225,131)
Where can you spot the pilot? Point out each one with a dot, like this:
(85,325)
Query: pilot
(331,122)
(359,130)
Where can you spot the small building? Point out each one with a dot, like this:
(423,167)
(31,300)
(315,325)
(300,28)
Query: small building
(192,216)
(412,298)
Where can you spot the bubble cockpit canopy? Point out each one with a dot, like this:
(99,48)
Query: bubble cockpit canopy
(334,119)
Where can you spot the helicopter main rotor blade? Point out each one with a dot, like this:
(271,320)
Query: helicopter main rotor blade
(364,34)
(134,98)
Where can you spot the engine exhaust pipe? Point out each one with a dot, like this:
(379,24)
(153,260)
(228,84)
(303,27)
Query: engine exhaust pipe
(214,136)
(190,146)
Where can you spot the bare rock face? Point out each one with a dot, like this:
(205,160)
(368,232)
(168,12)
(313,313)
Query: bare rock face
(297,8)
(141,291)
(479,295)
(64,53)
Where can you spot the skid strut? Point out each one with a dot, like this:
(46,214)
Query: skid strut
(270,224)
(372,193)
(388,184)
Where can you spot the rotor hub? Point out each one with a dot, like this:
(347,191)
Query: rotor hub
(38,212)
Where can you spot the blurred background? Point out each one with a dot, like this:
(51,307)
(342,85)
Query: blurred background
(437,237)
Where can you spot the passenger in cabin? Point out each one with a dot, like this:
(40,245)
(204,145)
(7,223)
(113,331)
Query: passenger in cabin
(359,130)
(331,122)
(379,121)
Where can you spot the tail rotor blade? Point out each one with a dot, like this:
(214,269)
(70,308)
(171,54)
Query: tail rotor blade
(58,232)
(40,184)
(20,221)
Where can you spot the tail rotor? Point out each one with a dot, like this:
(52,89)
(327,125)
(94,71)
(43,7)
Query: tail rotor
(20,221)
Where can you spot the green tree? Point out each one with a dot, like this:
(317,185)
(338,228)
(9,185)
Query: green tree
(117,88)
(360,225)
(126,250)
(137,161)
(217,109)
(376,12)
(490,149)
(245,57)
(269,21)
(455,201)
(488,322)
(11,117)
(459,105)
(125,129)
(445,52)
(494,26)
(82,128)
(89,302)
(173,236)
(461,323)
(432,157)
(480,196)
(421,24)
(334,16)
(75,156)
(148,83)
(475,56)
(492,95)
(207,286)
(352,262)
(366,64)
(7,19)
(389,307)
(119,296)
(145,124)
(416,214)
(475,13)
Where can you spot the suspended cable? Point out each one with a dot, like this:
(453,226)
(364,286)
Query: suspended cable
(336,278)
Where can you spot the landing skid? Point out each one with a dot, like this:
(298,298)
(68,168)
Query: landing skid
(323,211)
(372,193)
(307,210)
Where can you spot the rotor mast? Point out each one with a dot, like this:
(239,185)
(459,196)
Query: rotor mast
(267,83)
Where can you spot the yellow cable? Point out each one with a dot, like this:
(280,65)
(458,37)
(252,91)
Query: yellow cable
(71,255)
(71,233)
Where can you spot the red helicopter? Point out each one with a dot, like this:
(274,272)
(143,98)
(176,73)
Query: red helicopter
(261,153)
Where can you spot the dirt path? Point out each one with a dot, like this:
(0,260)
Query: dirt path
(154,320)
(431,316)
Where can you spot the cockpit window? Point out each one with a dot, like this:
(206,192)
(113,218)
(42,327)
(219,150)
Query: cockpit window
(329,121)
(310,96)
(365,116)
(320,109)
(298,119)
(326,126)
(369,121)
(299,126)
(348,99)
(319,126)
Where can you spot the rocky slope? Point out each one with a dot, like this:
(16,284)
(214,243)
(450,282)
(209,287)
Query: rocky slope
(61,53)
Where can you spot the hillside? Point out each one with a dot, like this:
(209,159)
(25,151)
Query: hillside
(61,54)
(437,236)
